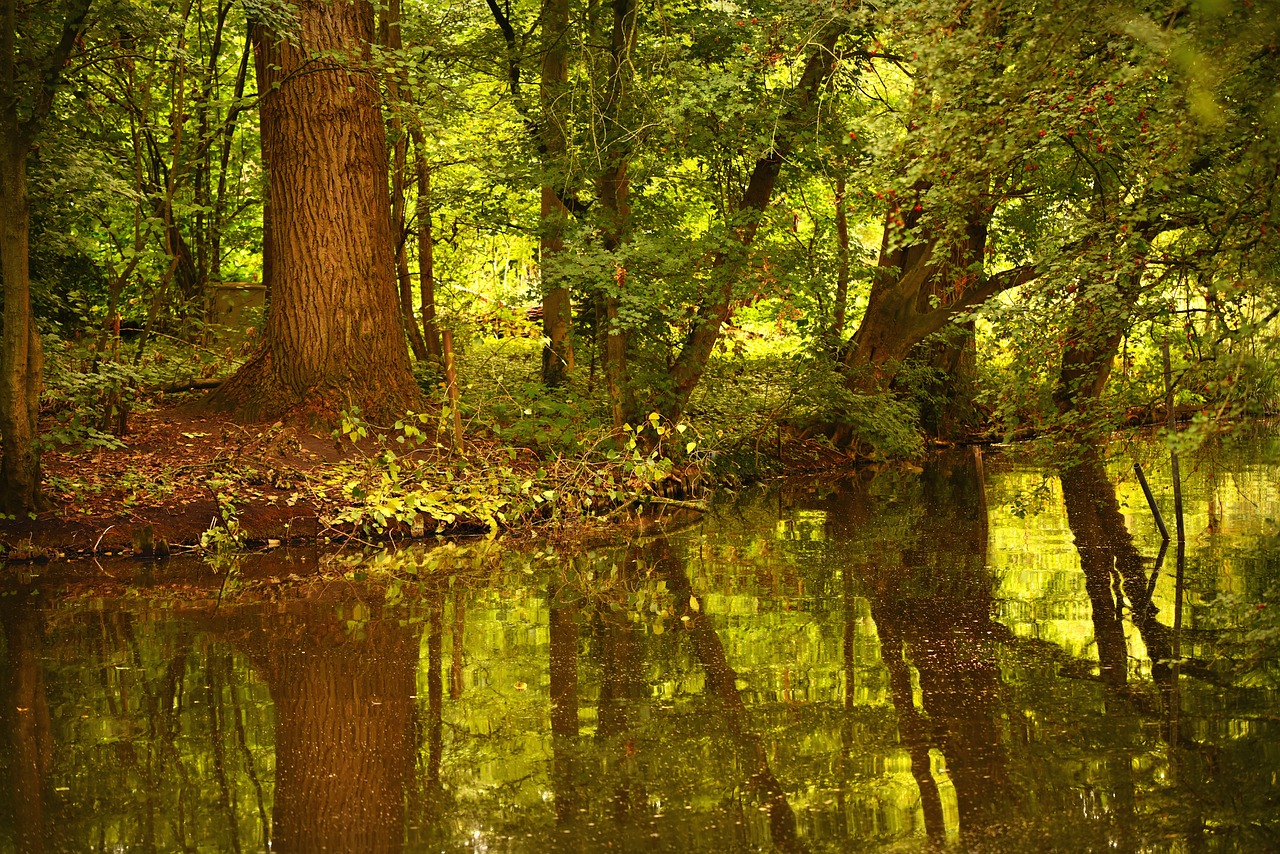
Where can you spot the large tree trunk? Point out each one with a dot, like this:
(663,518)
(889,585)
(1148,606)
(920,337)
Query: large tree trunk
(21,355)
(557,356)
(334,336)
(948,407)
(1099,318)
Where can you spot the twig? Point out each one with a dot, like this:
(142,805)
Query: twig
(94,550)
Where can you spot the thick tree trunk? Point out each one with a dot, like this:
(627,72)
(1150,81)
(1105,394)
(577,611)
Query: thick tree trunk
(948,408)
(334,337)
(916,291)
(1099,318)
(21,354)
(557,356)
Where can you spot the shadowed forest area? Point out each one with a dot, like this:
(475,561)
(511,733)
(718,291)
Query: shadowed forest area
(294,269)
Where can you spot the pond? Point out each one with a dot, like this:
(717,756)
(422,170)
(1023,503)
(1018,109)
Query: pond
(981,654)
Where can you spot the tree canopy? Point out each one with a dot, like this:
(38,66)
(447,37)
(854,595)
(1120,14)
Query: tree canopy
(968,215)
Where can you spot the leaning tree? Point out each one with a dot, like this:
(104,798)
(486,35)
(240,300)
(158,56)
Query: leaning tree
(333,338)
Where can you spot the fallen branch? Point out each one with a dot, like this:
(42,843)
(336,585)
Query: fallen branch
(192,385)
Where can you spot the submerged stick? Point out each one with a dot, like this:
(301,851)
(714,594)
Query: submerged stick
(1151,501)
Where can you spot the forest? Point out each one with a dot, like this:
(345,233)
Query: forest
(530,259)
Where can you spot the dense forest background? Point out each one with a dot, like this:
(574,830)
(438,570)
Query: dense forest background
(857,223)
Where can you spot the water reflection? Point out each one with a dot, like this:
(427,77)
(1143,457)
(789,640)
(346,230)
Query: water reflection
(923,571)
(893,659)
(343,695)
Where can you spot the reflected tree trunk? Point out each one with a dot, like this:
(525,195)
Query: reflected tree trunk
(1106,547)
(721,681)
(26,717)
(344,732)
(915,731)
(563,655)
(933,609)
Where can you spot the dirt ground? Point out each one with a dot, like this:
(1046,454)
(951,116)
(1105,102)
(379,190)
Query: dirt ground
(168,477)
(179,468)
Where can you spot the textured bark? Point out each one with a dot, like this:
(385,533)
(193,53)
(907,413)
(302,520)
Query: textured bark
(334,336)
(21,354)
(557,356)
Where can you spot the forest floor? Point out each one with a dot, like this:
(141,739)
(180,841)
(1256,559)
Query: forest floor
(178,473)
(191,482)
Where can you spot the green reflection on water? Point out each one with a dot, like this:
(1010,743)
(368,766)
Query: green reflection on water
(893,659)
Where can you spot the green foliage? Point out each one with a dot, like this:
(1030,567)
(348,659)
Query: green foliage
(1252,653)
(90,391)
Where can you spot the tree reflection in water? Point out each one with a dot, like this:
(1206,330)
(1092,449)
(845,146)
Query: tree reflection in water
(921,562)
(343,696)
(829,667)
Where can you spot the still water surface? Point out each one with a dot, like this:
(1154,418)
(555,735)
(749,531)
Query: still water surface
(976,656)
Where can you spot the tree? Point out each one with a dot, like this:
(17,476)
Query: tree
(28,85)
(334,337)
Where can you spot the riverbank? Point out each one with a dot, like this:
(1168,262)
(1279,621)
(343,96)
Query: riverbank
(183,481)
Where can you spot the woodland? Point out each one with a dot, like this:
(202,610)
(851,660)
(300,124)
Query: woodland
(529,259)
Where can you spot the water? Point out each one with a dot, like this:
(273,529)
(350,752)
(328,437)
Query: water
(960,657)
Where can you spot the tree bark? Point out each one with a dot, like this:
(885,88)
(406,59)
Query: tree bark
(557,356)
(334,336)
(21,354)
